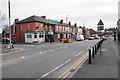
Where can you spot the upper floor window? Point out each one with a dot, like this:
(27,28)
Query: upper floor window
(21,27)
(56,28)
(63,29)
(28,26)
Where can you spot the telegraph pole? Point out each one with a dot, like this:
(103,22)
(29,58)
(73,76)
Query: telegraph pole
(9,21)
(100,27)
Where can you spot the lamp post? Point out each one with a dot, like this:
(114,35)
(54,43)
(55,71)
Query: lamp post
(100,26)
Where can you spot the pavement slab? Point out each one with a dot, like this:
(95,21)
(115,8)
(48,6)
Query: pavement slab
(103,66)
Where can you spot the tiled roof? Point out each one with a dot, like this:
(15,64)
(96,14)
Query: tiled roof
(65,24)
(92,31)
(33,19)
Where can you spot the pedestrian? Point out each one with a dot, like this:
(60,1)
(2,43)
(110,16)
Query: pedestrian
(12,45)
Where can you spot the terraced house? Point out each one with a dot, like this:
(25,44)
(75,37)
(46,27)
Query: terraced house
(37,29)
(63,30)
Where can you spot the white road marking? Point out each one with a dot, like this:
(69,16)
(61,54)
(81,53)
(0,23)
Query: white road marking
(67,61)
(79,53)
(13,59)
(55,68)
(40,52)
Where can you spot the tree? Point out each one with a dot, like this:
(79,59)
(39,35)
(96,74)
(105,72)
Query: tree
(3,21)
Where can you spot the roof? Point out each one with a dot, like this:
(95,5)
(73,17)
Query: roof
(33,19)
(92,31)
(65,24)
(100,22)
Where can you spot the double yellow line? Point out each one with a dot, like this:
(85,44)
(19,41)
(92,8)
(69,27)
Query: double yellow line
(67,73)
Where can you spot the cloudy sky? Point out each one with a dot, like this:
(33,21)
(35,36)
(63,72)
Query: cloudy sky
(88,12)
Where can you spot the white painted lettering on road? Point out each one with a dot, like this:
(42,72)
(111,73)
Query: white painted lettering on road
(13,59)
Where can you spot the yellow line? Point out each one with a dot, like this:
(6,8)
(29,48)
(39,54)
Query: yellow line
(65,74)
(80,61)
(75,66)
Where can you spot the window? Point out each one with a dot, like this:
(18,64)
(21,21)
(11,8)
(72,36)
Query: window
(41,35)
(58,35)
(29,36)
(28,26)
(35,35)
(63,29)
(14,28)
(56,28)
(21,27)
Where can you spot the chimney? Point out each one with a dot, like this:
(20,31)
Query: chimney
(75,25)
(16,20)
(61,22)
(43,17)
(69,23)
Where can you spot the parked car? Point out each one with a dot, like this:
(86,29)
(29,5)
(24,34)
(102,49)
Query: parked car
(80,38)
(90,38)
(104,38)
(96,37)
(7,41)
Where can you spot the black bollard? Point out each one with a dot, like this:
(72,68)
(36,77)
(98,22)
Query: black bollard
(95,50)
(89,56)
(93,53)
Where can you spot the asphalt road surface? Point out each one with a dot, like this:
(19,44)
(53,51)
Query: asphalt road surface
(35,61)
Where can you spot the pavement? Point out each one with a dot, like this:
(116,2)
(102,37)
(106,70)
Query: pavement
(6,50)
(104,66)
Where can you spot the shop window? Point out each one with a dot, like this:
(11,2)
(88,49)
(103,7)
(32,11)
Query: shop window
(41,35)
(35,36)
(29,36)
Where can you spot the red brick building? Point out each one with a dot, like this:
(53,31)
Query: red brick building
(27,24)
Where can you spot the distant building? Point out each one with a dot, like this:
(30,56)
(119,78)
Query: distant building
(63,30)
(92,32)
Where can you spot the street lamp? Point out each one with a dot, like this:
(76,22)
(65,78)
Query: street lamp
(100,26)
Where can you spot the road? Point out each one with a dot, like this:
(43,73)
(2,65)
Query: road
(36,61)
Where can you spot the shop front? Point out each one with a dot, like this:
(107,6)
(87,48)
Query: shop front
(34,36)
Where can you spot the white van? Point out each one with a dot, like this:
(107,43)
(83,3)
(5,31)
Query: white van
(79,37)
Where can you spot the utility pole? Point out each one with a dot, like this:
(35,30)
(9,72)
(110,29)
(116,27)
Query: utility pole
(9,22)
(100,27)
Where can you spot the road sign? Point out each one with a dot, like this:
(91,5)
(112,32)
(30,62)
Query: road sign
(100,28)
